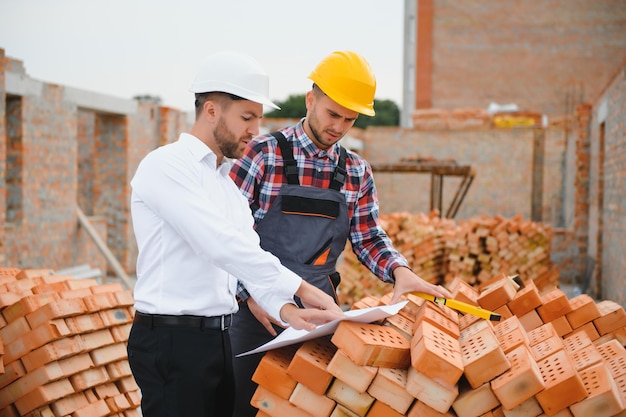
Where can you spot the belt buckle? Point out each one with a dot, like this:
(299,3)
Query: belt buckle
(223,322)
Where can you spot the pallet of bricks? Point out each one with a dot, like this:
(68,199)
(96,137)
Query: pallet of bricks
(63,346)
(547,356)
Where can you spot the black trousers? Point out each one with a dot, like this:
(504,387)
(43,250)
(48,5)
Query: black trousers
(182,371)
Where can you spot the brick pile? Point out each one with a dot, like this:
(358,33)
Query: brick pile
(548,356)
(63,350)
(440,250)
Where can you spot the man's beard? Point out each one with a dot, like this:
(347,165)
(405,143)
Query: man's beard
(226,141)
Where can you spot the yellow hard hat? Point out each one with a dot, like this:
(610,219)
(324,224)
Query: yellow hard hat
(347,79)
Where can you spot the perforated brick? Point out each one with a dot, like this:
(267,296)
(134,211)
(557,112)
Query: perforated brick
(563,385)
(343,394)
(271,372)
(356,376)
(483,358)
(546,348)
(403,325)
(475,402)
(389,387)
(612,317)
(436,354)
(313,403)
(521,382)
(603,396)
(433,315)
(576,342)
(309,364)
(586,357)
(372,344)
(525,300)
(438,397)
(541,333)
(584,310)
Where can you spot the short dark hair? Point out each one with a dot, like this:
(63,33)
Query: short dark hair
(222,98)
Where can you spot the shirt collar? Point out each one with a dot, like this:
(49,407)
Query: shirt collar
(310,148)
(200,151)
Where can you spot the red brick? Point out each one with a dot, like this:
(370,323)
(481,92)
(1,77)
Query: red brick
(84,323)
(474,402)
(521,382)
(271,372)
(438,397)
(525,300)
(356,376)
(372,345)
(531,320)
(95,409)
(576,341)
(483,358)
(546,348)
(530,407)
(564,386)
(309,364)
(96,339)
(389,387)
(436,354)
(497,295)
(612,317)
(504,312)
(380,409)
(118,370)
(554,304)
(14,330)
(108,354)
(27,305)
(55,310)
(603,396)
(116,316)
(317,405)
(120,333)
(584,310)
(421,409)
(117,403)
(433,315)
(588,328)
(108,389)
(401,324)
(89,378)
(341,411)
(29,273)
(44,395)
(354,401)
(12,371)
(586,357)
(561,326)
(541,333)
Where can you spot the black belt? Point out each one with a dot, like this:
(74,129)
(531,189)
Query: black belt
(160,320)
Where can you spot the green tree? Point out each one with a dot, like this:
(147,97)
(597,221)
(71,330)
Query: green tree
(387,112)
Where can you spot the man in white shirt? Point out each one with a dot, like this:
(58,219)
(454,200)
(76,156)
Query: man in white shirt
(195,235)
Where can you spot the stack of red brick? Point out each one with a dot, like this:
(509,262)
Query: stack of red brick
(440,250)
(548,356)
(64,346)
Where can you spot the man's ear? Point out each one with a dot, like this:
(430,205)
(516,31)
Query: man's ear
(309,100)
(211,109)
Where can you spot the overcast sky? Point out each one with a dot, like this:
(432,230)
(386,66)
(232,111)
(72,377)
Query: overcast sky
(133,47)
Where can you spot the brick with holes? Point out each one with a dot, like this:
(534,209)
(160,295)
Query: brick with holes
(437,396)
(483,358)
(309,364)
(603,396)
(356,376)
(436,354)
(389,387)
(271,373)
(563,384)
(521,382)
(372,344)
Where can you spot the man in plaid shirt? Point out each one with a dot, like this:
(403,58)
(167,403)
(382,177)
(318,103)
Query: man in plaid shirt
(308,196)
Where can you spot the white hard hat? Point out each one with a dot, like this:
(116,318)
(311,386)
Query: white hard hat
(234,73)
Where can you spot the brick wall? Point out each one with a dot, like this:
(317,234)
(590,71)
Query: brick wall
(607,179)
(544,56)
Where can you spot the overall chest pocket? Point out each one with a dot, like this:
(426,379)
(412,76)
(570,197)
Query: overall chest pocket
(306,206)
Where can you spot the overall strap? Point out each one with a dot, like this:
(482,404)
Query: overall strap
(291,167)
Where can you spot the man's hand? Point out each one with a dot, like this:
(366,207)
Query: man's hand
(313,297)
(407,281)
(261,315)
(307,318)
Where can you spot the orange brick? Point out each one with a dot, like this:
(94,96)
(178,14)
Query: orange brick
(271,372)
(474,402)
(96,339)
(531,320)
(473,329)
(116,316)
(421,409)
(358,403)
(98,408)
(309,364)
(467,320)
(584,310)
(121,333)
(576,341)
(30,273)
(586,357)
(14,330)
(513,339)
(126,384)
(504,312)
(108,389)
(561,326)
(483,358)
(317,405)
(612,317)
(436,354)
(117,403)
(525,300)
(547,347)
(108,354)
(27,305)
(521,382)
(610,349)
(84,323)
(389,387)
(530,407)
(12,371)
(273,405)
(438,397)
(380,409)
(43,395)
(119,369)
(89,378)
(401,324)
(356,376)
(554,304)
(588,328)
(55,310)
(464,292)
(29,382)
(433,315)
(541,333)
(341,411)
(564,386)
(497,295)
(603,396)
(76,293)
(372,345)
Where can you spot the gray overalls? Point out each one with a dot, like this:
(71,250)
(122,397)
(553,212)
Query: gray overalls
(307,229)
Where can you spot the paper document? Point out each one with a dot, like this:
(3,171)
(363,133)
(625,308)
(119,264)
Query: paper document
(291,336)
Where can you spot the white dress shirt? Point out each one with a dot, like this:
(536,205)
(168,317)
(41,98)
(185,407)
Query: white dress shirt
(195,235)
